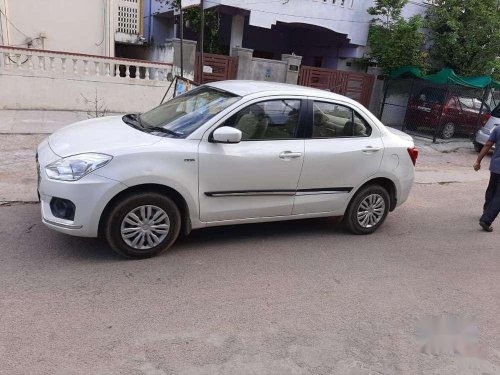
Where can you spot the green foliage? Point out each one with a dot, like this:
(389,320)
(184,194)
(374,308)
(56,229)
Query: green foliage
(192,16)
(496,70)
(465,35)
(394,41)
(387,11)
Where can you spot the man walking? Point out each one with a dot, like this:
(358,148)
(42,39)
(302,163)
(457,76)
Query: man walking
(492,202)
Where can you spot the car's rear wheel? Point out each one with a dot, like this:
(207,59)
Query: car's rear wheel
(143,225)
(448,130)
(367,210)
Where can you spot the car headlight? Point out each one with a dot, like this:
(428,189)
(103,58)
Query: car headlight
(72,168)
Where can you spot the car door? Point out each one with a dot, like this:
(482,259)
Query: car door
(453,112)
(342,152)
(469,115)
(257,177)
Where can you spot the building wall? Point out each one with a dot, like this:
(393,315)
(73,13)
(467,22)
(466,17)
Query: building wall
(347,17)
(350,19)
(63,25)
(158,24)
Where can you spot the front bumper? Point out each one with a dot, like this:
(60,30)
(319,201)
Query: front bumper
(90,195)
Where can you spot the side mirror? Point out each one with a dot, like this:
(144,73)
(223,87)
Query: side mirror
(226,134)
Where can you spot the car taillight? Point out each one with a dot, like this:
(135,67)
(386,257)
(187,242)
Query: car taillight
(486,117)
(413,152)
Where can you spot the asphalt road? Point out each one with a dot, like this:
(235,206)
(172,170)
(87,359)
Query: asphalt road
(300,297)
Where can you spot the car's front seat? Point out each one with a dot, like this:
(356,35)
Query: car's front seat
(252,126)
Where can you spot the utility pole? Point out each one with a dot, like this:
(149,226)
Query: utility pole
(202,32)
(181,21)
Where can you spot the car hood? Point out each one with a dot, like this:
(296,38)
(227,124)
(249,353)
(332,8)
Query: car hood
(105,134)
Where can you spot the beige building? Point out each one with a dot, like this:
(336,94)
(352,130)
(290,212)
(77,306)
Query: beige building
(79,26)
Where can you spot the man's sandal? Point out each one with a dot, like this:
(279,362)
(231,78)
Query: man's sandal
(485,226)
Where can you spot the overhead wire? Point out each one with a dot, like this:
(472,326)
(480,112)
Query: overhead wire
(12,24)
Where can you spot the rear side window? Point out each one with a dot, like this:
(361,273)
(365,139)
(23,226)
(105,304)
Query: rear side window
(338,121)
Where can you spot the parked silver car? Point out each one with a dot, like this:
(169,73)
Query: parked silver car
(484,132)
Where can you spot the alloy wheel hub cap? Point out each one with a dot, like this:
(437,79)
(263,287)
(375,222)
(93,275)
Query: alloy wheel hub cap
(371,210)
(145,227)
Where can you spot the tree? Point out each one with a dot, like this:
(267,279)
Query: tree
(212,25)
(465,35)
(496,69)
(394,41)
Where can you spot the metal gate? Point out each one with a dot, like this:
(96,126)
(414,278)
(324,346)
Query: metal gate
(357,86)
(223,67)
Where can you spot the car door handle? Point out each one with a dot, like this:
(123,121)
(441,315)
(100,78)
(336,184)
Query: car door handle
(287,155)
(370,149)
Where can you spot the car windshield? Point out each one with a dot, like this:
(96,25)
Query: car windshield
(181,116)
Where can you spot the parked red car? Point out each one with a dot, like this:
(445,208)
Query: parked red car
(449,113)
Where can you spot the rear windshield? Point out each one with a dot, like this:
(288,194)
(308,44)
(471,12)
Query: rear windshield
(431,95)
(496,112)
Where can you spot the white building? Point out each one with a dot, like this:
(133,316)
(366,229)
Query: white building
(63,55)
(327,33)
(79,26)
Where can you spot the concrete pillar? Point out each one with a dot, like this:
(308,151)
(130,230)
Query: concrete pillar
(111,14)
(292,68)
(245,65)
(189,56)
(237,27)
(4,25)
(378,90)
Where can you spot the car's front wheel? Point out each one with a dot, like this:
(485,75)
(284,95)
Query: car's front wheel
(143,225)
(367,210)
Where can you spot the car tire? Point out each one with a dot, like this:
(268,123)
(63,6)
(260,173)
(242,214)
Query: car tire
(478,147)
(367,210)
(448,130)
(143,225)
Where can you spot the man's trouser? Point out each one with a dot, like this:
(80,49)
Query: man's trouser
(492,201)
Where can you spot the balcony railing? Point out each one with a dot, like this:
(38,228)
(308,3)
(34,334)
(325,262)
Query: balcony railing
(66,64)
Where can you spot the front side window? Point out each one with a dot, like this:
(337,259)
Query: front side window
(272,119)
(181,116)
(338,121)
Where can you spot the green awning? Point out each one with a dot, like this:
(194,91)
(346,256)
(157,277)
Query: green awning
(445,76)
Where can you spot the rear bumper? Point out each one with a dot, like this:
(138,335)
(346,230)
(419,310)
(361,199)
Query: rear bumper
(404,189)
(481,137)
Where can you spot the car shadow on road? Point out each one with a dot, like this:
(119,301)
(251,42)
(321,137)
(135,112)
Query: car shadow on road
(90,249)
(271,231)
(96,250)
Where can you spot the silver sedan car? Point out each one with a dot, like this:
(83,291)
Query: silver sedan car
(484,132)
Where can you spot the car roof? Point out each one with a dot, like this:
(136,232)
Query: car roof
(245,88)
